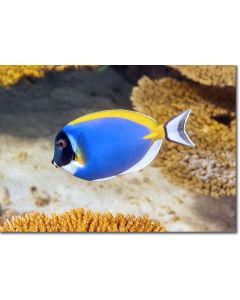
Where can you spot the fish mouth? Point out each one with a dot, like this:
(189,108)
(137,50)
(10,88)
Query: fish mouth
(53,162)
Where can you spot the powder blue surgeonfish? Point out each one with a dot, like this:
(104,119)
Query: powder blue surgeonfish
(105,144)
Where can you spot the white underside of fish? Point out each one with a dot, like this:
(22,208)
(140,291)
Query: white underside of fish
(72,167)
(146,160)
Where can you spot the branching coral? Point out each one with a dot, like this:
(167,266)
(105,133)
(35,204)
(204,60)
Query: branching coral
(210,75)
(79,220)
(6,214)
(209,168)
(9,75)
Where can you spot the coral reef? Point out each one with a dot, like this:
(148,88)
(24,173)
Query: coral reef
(7,213)
(79,220)
(209,168)
(210,75)
(9,75)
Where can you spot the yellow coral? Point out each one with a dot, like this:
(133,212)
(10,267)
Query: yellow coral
(210,75)
(9,75)
(79,220)
(209,168)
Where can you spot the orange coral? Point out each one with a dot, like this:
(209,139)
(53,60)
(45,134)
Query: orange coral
(9,75)
(210,75)
(79,220)
(6,214)
(209,168)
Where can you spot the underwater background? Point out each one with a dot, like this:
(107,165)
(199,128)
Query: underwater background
(189,190)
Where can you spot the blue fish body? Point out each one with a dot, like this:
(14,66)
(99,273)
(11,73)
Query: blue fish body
(110,146)
(105,144)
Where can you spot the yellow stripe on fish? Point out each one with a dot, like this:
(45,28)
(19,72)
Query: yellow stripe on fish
(118,113)
(157,132)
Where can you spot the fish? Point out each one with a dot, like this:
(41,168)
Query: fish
(102,145)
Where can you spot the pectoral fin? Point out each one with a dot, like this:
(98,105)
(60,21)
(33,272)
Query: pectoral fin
(80,155)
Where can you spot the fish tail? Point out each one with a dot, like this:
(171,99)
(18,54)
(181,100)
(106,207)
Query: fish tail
(175,129)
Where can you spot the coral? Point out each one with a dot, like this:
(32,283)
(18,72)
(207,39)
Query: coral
(208,168)
(79,220)
(6,214)
(210,75)
(9,75)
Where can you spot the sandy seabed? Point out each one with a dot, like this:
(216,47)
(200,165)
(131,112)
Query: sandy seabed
(33,184)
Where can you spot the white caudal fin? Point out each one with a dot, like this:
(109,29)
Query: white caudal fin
(175,129)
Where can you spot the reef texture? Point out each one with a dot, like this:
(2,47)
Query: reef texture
(209,167)
(6,214)
(9,75)
(210,75)
(79,220)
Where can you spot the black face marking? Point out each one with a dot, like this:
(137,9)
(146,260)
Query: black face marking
(63,153)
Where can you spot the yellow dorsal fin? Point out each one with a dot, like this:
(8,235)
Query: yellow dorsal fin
(117,113)
(156,133)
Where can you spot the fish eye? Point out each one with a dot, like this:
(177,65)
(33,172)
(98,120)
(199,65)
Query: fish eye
(62,143)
